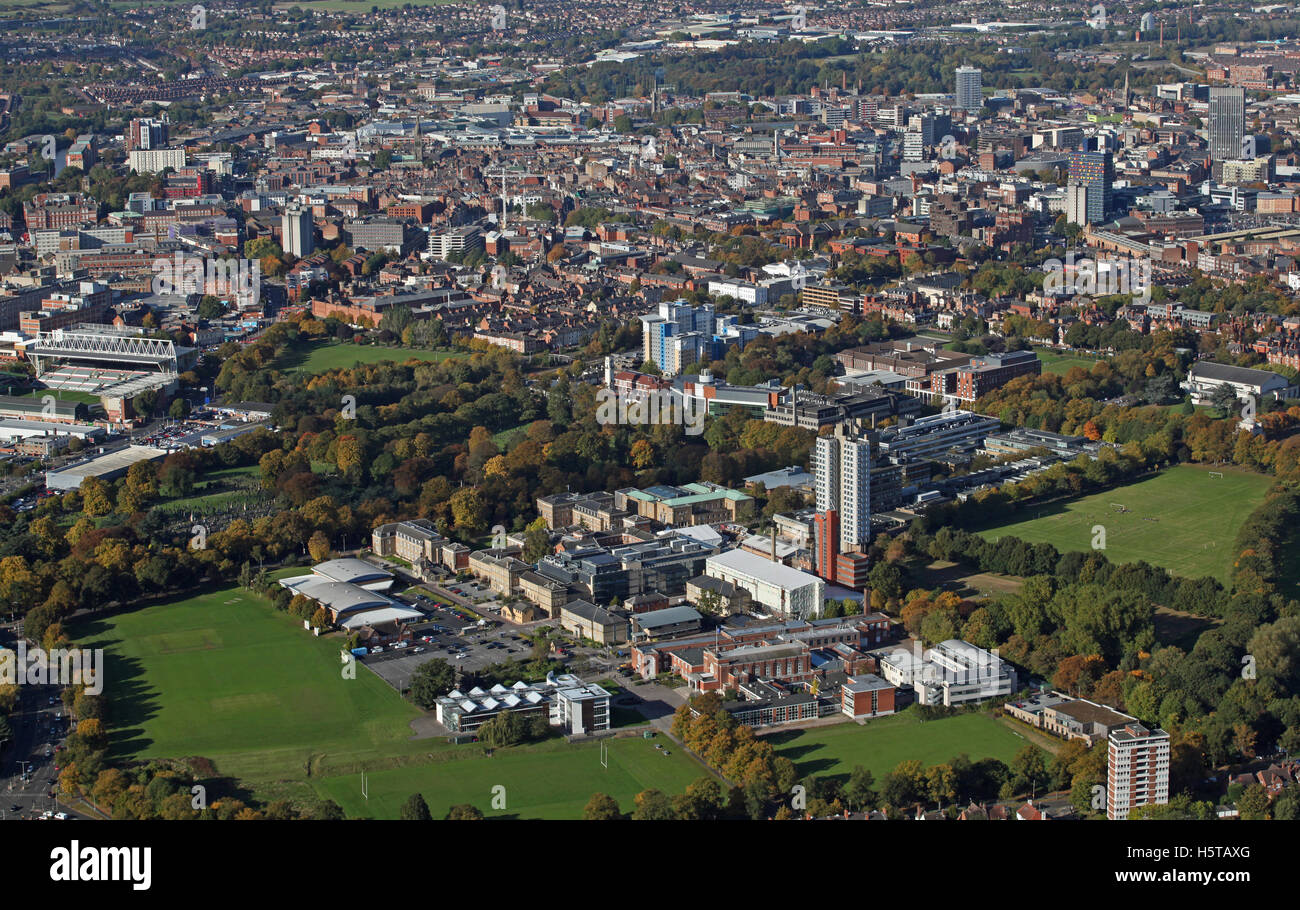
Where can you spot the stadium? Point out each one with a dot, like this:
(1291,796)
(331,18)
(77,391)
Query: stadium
(114,364)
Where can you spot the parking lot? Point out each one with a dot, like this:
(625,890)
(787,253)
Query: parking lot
(180,434)
(461,643)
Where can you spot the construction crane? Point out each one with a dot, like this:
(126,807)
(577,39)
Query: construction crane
(502,175)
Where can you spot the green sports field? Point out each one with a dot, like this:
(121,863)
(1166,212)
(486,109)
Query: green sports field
(553,780)
(1182,519)
(333,355)
(223,676)
(880,744)
(1063,363)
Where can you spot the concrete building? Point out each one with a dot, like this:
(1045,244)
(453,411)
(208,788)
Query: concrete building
(969,94)
(297,231)
(1227,126)
(151,161)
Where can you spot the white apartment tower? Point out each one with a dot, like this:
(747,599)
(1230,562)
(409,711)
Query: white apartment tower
(842,470)
(296,231)
(1137,769)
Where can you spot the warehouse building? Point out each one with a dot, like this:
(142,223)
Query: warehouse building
(109,466)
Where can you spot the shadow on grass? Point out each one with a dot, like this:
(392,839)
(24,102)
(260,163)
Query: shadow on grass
(132,700)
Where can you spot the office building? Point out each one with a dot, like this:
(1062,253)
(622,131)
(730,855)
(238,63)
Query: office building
(970,89)
(1227,125)
(457,240)
(951,673)
(297,235)
(1095,171)
(1137,769)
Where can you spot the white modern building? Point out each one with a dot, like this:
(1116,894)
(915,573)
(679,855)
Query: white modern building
(780,589)
(951,673)
(151,161)
(576,707)
(1137,769)
(1206,377)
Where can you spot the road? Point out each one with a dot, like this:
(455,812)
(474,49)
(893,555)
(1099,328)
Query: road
(32,738)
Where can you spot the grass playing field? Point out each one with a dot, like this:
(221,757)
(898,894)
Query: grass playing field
(1182,519)
(881,744)
(224,676)
(332,355)
(1063,363)
(553,780)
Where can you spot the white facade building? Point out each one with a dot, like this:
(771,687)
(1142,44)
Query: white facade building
(951,673)
(782,590)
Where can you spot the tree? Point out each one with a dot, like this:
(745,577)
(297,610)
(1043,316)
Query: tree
(1030,764)
(1224,398)
(432,679)
(860,791)
(464,812)
(652,805)
(506,729)
(319,546)
(601,808)
(1253,804)
(416,809)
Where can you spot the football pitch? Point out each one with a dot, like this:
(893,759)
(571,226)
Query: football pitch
(1185,519)
(552,780)
(880,744)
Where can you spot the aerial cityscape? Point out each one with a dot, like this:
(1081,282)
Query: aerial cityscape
(627,411)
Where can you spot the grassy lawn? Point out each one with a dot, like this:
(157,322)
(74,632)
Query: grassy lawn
(1181,519)
(881,744)
(224,676)
(507,438)
(333,355)
(553,780)
(1063,363)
